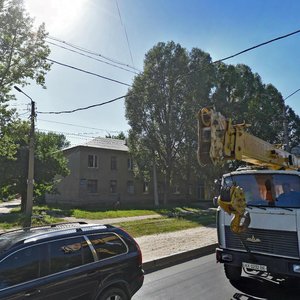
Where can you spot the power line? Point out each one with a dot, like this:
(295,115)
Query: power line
(82,108)
(91,52)
(79,126)
(291,94)
(68,133)
(88,56)
(87,72)
(118,98)
(125,32)
(257,46)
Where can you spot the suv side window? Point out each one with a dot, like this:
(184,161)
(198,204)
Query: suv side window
(19,267)
(69,253)
(107,245)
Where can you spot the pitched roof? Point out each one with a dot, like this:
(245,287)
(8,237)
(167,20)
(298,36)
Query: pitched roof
(105,143)
(108,143)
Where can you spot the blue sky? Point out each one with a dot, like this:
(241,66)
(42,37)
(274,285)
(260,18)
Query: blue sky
(218,27)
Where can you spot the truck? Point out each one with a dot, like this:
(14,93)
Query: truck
(258,214)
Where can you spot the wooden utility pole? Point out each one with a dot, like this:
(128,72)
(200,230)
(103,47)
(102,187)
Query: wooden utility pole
(30,176)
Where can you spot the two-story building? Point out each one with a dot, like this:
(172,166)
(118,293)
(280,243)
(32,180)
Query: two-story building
(101,172)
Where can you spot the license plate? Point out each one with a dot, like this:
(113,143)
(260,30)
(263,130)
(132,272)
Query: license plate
(255,267)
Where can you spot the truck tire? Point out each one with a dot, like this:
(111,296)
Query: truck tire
(233,273)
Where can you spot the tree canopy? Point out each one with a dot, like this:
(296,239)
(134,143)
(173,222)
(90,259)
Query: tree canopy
(23,54)
(49,162)
(162,104)
(23,60)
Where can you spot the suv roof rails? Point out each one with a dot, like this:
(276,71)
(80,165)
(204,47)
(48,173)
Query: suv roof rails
(56,225)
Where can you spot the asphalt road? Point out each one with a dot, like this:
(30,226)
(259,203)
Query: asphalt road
(204,279)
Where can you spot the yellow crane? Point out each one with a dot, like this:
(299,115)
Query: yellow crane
(220,140)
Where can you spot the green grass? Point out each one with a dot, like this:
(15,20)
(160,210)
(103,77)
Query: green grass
(165,224)
(84,214)
(16,219)
(173,218)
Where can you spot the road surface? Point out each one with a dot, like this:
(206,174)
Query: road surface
(204,279)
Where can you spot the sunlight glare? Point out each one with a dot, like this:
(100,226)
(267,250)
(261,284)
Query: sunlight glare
(60,16)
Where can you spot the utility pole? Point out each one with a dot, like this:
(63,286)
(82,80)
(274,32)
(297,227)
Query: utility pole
(30,177)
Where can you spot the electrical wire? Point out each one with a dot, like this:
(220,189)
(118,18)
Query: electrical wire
(257,46)
(68,133)
(91,52)
(88,56)
(234,55)
(126,35)
(87,72)
(291,94)
(81,108)
(79,126)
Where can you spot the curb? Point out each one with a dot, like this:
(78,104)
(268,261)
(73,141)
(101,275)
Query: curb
(168,261)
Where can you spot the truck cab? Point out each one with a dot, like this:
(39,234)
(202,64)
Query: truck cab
(258,218)
(270,245)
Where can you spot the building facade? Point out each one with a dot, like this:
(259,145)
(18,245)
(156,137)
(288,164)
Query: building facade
(101,174)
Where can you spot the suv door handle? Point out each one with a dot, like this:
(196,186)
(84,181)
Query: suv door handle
(31,293)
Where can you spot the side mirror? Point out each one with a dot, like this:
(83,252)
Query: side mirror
(215,201)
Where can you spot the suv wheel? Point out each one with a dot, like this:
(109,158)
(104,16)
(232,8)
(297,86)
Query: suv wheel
(113,294)
(232,272)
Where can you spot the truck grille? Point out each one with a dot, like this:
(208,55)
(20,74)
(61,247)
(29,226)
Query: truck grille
(276,242)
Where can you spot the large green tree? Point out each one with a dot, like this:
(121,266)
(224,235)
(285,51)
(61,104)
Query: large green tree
(23,54)
(161,109)
(49,162)
(162,104)
(23,60)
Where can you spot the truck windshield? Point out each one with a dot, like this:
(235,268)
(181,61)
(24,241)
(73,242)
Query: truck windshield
(266,189)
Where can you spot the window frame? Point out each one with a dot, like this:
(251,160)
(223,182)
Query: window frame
(115,186)
(94,161)
(107,233)
(113,163)
(130,187)
(90,186)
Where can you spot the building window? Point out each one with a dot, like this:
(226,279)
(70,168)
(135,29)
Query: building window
(130,164)
(113,163)
(92,161)
(113,186)
(130,187)
(92,186)
(146,187)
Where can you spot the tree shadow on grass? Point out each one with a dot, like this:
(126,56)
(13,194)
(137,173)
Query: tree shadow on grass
(200,216)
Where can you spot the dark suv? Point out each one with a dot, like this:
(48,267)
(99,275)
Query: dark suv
(69,261)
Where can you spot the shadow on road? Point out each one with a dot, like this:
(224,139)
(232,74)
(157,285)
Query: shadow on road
(261,288)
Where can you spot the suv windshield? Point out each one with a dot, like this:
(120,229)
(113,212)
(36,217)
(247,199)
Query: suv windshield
(281,190)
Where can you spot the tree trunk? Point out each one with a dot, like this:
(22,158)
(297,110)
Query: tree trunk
(156,200)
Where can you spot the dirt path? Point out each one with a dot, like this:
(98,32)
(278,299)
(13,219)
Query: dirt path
(164,244)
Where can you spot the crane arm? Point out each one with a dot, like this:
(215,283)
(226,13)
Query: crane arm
(220,140)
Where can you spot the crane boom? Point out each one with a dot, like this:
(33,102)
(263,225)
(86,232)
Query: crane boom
(220,140)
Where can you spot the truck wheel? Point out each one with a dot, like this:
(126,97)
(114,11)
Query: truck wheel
(232,272)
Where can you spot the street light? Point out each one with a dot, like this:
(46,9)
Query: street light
(30,177)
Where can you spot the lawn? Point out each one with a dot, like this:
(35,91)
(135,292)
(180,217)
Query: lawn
(167,224)
(173,218)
